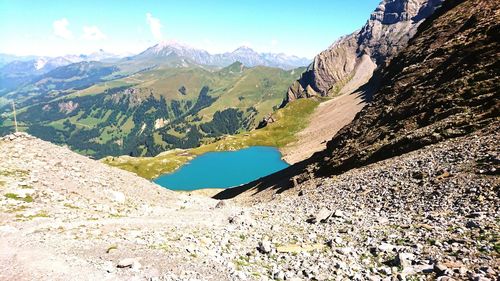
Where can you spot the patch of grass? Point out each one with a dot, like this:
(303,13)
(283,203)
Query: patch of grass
(17,173)
(116,216)
(165,247)
(241,262)
(289,121)
(27,199)
(38,215)
(17,209)
(67,205)
(497,247)
(400,242)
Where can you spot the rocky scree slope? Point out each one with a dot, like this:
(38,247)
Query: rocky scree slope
(431,213)
(386,33)
(66,217)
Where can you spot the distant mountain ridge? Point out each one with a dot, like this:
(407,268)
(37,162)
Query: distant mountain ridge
(16,71)
(45,63)
(243,54)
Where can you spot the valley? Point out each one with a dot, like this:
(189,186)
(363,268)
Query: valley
(147,112)
(377,161)
(288,122)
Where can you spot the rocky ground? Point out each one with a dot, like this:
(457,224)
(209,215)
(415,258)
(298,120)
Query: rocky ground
(64,216)
(430,214)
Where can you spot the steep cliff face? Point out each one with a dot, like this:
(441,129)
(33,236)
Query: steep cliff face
(443,85)
(387,32)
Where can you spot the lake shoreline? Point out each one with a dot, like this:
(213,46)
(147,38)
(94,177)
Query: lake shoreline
(224,169)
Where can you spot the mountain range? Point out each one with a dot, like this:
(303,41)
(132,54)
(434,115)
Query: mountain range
(245,55)
(16,71)
(32,65)
(136,108)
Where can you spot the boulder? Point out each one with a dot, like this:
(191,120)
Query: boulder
(116,196)
(321,216)
(264,247)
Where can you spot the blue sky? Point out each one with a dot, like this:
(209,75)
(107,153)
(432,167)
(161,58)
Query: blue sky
(304,28)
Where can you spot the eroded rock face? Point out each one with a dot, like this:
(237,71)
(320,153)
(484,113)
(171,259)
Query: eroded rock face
(443,85)
(386,33)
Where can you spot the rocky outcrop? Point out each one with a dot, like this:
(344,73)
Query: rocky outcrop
(386,33)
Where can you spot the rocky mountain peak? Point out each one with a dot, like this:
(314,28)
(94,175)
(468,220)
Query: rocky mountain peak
(393,11)
(388,31)
(244,49)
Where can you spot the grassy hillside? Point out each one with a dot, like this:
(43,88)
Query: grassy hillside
(289,121)
(98,110)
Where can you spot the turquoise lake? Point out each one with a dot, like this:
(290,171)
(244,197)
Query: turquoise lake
(224,169)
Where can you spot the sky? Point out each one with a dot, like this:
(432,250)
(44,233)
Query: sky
(295,27)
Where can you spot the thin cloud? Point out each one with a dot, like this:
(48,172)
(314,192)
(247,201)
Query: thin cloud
(274,42)
(154,25)
(92,33)
(60,29)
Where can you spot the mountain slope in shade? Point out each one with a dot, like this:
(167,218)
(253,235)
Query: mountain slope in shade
(442,86)
(387,32)
(171,53)
(422,159)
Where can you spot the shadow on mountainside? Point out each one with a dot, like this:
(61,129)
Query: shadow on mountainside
(279,181)
(442,86)
(298,172)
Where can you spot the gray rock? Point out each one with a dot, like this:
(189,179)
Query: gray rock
(472,224)
(405,259)
(338,214)
(322,215)
(264,247)
(440,268)
(279,275)
(116,196)
(445,278)
(345,250)
(386,247)
(478,277)
(129,263)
